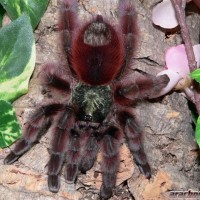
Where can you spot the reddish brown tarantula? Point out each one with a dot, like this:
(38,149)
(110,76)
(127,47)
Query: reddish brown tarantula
(97,111)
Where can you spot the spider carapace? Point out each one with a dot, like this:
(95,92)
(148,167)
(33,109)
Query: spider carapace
(97,112)
(93,102)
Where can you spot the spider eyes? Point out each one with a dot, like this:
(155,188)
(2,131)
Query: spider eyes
(88,118)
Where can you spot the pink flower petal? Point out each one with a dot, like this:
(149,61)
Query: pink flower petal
(163,14)
(196,49)
(176,60)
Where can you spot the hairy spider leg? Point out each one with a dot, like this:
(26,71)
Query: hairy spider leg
(81,153)
(110,160)
(59,149)
(133,135)
(38,125)
(128,26)
(89,153)
(68,23)
(142,88)
(53,76)
(73,157)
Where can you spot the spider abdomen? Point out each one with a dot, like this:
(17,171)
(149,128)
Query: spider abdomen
(93,102)
(97,52)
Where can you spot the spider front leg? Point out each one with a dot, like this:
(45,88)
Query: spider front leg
(90,153)
(73,156)
(81,153)
(58,152)
(133,135)
(38,125)
(110,160)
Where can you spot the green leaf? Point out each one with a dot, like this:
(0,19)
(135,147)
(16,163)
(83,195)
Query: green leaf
(197,131)
(17,58)
(2,12)
(196,75)
(33,8)
(10,129)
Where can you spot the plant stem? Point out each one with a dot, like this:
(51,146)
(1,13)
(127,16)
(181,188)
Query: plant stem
(180,14)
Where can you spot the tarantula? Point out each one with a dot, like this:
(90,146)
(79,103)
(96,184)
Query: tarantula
(99,92)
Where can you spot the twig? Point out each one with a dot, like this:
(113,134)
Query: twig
(180,14)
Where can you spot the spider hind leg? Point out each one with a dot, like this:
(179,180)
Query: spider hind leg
(68,23)
(128,25)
